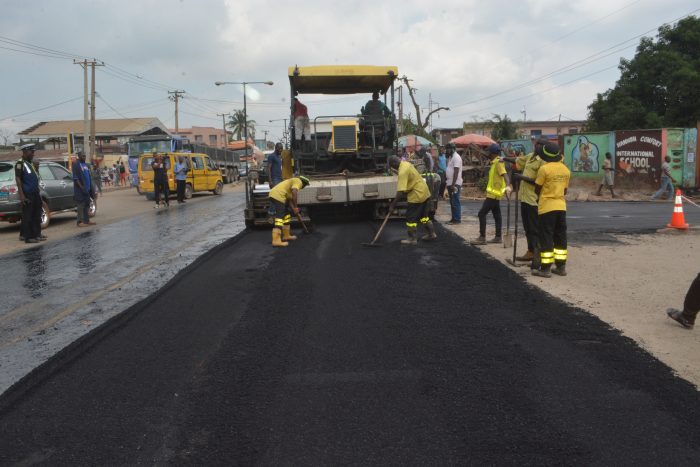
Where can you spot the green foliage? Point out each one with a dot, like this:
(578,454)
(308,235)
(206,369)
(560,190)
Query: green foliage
(409,127)
(503,128)
(236,122)
(659,87)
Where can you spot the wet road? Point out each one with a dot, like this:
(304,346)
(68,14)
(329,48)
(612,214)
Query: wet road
(54,293)
(610,216)
(329,353)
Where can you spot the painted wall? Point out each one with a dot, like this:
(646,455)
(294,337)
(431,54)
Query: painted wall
(638,155)
(524,145)
(690,171)
(674,147)
(584,153)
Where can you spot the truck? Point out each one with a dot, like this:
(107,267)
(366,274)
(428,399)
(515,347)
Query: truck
(345,156)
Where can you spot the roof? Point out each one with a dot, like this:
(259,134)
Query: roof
(341,79)
(103,127)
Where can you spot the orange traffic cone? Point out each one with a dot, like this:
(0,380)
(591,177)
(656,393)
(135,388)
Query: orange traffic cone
(678,219)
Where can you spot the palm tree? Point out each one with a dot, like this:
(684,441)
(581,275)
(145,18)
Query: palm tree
(236,123)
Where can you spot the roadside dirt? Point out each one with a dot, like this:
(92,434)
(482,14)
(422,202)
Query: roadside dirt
(627,281)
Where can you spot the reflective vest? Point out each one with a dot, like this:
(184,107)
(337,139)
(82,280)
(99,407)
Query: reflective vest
(490,189)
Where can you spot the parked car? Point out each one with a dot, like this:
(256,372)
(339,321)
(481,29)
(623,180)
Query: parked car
(56,192)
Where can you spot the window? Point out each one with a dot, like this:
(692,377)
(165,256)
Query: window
(7,173)
(45,173)
(60,173)
(198,139)
(198,163)
(573,131)
(211,164)
(212,140)
(535,132)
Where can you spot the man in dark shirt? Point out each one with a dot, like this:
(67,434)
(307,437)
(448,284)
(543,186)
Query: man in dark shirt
(160,180)
(274,165)
(27,180)
(83,190)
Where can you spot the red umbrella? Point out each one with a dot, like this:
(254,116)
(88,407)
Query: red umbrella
(465,140)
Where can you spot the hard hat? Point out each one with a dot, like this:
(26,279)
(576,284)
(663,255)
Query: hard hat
(549,152)
(494,149)
(304,180)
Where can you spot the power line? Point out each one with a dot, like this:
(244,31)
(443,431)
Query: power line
(43,108)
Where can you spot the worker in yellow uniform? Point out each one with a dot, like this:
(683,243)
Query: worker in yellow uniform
(283,201)
(551,185)
(411,184)
(498,185)
(287,164)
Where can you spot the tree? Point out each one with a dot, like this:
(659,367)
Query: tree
(659,87)
(503,128)
(412,93)
(236,123)
(7,136)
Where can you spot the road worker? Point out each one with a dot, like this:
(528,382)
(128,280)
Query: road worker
(528,165)
(551,185)
(412,185)
(498,184)
(283,202)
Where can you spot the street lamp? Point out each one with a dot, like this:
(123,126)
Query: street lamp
(245,115)
(285,132)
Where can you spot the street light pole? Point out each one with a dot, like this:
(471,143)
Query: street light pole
(245,119)
(285,130)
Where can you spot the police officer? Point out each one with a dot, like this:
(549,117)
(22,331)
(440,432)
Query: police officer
(27,180)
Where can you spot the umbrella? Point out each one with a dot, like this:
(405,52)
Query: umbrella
(411,141)
(465,140)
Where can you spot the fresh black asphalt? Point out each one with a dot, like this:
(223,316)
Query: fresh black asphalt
(329,353)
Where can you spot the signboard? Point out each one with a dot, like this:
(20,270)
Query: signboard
(638,155)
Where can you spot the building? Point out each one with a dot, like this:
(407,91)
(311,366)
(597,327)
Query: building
(210,136)
(528,129)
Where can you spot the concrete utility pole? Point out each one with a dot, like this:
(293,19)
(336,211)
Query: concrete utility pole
(88,108)
(265,143)
(223,123)
(285,130)
(175,96)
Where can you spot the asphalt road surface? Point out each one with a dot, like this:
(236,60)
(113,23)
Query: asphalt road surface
(329,353)
(609,216)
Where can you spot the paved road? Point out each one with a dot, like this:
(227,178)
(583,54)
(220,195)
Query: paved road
(55,292)
(612,216)
(329,353)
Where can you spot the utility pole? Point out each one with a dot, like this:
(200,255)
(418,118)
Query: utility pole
(88,108)
(265,143)
(175,96)
(223,122)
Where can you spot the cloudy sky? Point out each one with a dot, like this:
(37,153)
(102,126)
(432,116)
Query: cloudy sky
(547,57)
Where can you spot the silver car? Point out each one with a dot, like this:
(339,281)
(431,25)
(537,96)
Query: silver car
(56,184)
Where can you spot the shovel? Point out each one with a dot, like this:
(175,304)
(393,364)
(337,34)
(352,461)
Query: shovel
(512,261)
(381,229)
(507,239)
(303,224)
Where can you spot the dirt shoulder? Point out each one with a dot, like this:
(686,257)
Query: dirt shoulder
(628,281)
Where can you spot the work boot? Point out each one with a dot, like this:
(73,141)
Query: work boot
(431,235)
(526,257)
(542,272)
(496,240)
(479,241)
(411,240)
(678,316)
(286,234)
(277,237)
(560,270)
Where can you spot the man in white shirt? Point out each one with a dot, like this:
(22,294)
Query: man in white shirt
(454,182)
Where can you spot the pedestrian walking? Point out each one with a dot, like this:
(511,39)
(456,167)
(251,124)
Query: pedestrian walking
(83,190)
(667,180)
(96,177)
(27,180)
(608,176)
(160,180)
(691,306)
(122,174)
(412,185)
(497,185)
(274,165)
(442,171)
(528,165)
(181,170)
(283,201)
(551,186)
(114,175)
(453,182)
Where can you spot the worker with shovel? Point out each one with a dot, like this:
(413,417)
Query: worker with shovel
(412,185)
(283,201)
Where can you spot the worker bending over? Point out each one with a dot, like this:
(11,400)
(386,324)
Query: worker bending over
(498,185)
(551,185)
(411,184)
(283,201)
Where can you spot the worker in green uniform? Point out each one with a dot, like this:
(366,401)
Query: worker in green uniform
(283,201)
(551,185)
(412,185)
(498,184)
